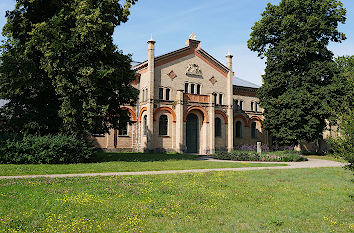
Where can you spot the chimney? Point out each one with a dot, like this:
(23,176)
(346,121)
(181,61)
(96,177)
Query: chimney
(193,42)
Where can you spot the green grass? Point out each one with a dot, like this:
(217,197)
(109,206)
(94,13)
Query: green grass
(296,200)
(120,162)
(326,157)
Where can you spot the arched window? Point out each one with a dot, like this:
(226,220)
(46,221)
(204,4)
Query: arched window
(254,130)
(238,129)
(145,125)
(163,125)
(217,127)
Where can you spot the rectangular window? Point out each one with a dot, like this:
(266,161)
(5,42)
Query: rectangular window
(251,106)
(192,88)
(186,88)
(220,99)
(198,89)
(256,105)
(236,105)
(167,97)
(160,93)
(123,131)
(215,98)
(241,105)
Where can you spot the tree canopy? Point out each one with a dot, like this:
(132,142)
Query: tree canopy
(60,70)
(301,81)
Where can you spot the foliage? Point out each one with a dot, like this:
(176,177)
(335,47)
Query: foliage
(265,148)
(276,156)
(343,145)
(123,162)
(56,149)
(60,70)
(301,82)
(293,200)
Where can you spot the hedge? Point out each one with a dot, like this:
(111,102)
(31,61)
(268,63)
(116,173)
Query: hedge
(50,149)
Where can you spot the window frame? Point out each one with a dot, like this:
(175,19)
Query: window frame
(218,127)
(160,93)
(145,125)
(254,130)
(163,125)
(238,132)
(121,132)
(167,93)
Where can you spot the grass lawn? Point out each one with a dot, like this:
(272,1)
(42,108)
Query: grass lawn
(296,200)
(123,162)
(326,157)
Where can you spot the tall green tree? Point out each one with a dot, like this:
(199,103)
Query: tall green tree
(301,83)
(60,70)
(343,145)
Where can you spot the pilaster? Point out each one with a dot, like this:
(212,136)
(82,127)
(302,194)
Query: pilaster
(211,124)
(179,122)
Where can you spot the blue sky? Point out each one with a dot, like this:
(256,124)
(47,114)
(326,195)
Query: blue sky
(220,25)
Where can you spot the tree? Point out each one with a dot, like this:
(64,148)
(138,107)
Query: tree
(301,83)
(60,70)
(343,145)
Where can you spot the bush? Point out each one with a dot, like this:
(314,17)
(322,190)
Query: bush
(275,156)
(54,149)
(343,145)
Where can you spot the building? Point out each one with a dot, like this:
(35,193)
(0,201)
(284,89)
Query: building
(188,104)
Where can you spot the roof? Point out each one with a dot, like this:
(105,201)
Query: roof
(185,51)
(243,83)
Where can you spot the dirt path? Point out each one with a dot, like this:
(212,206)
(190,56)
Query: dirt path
(312,163)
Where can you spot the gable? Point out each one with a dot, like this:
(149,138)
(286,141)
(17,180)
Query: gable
(181,53)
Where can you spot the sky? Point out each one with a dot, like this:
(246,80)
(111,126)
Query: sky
(220,25)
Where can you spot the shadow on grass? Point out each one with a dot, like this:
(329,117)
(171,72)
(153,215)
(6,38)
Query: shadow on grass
(140,157)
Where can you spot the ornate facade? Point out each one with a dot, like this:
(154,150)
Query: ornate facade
(188,104)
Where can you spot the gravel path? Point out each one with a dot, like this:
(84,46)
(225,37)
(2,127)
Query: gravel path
(312,163)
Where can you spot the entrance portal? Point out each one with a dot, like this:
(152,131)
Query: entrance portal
(192,130)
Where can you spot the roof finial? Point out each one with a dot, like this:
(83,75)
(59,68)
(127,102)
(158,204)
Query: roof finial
(151,40)
(192,36)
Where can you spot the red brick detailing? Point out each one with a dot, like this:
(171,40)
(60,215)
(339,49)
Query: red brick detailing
(174,57)
(165,109)
(141,112)
(132,113)
(205,113)
(244,119)
(256,118)
(222,114)
(210,63)
(246,93)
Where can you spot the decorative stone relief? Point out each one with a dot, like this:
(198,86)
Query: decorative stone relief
(193,69)
(213,80)
(172,75)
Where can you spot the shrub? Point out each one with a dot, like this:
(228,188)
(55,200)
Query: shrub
(276,156)
(54,149)
(343,145)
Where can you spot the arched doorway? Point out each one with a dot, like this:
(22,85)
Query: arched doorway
(192,130)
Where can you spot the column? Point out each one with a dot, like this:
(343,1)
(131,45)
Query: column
(230,113)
